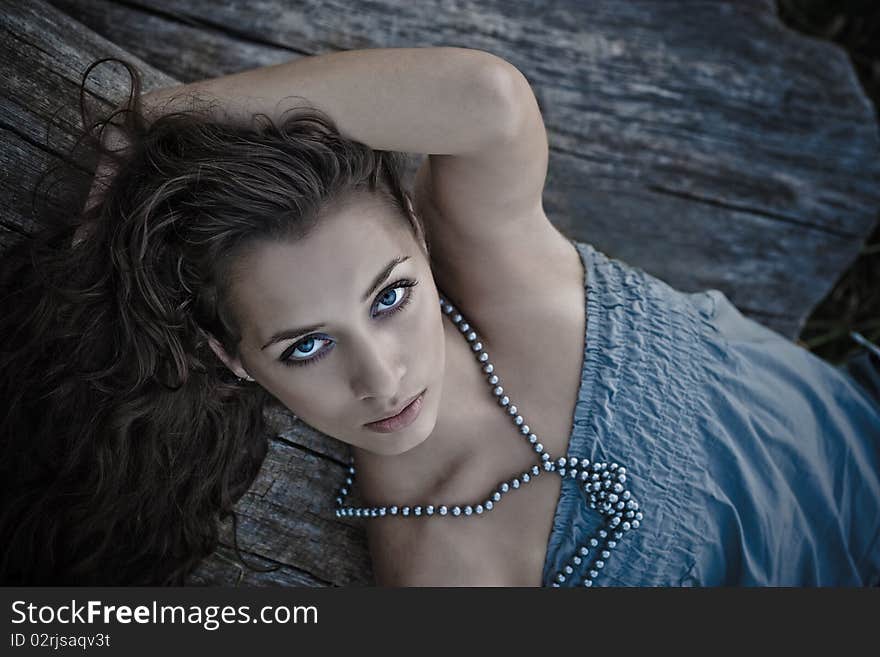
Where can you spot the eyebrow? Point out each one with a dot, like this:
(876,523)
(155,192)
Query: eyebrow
(381,277)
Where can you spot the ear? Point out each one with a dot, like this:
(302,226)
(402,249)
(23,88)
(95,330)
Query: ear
(234,364)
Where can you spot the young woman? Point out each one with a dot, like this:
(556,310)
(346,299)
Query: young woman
(557,417)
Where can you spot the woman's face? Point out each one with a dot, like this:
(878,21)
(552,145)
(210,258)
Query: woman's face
(337,335)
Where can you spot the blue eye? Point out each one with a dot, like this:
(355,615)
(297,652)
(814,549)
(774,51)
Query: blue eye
(396,297)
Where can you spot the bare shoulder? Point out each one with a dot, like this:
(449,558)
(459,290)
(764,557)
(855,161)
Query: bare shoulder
(412,553)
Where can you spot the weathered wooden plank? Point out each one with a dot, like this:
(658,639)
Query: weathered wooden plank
(43,55)
(288,516)
(702,141)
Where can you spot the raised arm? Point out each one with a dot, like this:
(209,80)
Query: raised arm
(443,100)
(435,100)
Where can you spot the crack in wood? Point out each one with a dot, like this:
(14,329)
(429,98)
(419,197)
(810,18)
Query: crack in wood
(768,214)
(198,22)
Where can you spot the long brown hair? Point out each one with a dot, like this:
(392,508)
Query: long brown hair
(123,438)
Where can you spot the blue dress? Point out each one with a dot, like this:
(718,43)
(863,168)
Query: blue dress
(753,461)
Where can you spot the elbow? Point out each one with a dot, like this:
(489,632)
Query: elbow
(509,95)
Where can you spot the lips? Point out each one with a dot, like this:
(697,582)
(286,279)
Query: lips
(399,410)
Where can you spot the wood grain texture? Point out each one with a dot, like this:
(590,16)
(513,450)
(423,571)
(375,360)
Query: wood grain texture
(701,141)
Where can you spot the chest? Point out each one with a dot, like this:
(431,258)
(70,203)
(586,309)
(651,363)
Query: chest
(538,358)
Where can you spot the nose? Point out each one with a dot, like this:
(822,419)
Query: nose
(379,372)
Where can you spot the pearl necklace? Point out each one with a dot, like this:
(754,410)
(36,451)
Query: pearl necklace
(603,483)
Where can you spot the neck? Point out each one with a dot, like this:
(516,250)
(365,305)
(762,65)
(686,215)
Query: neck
(413,475)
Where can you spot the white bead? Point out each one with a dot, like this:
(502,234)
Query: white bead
(504,487)
(443,510)
(483,357)
(489,505)
(471,336)
(524,429)
(497,391)
(456,510)
(464,327)
(456,318)
(488,368)
(533,438)
(477,346)
(518,420)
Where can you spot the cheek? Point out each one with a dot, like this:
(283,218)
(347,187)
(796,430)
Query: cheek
(314,403)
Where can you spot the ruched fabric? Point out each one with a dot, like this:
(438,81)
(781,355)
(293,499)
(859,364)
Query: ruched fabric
(753,461)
